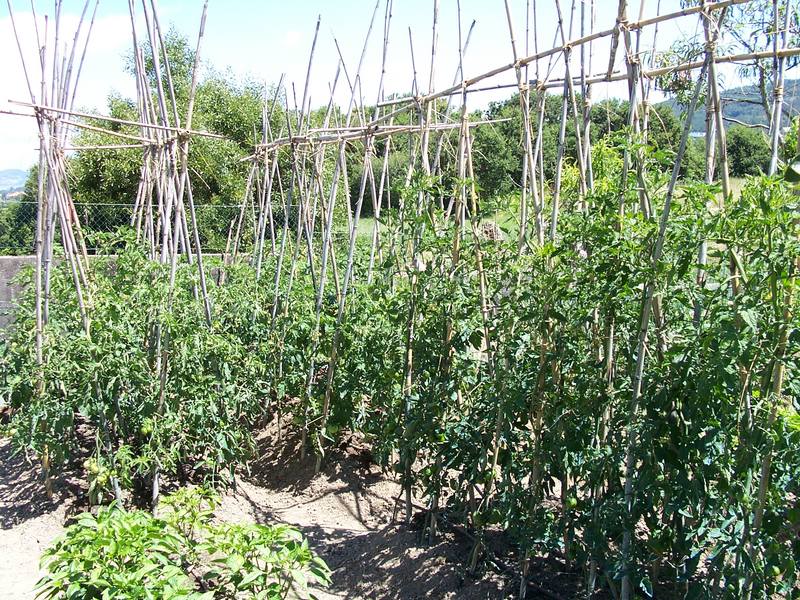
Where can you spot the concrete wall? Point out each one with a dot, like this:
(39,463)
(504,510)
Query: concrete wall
(9,267)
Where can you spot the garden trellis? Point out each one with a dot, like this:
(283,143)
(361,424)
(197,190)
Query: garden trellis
(298,182)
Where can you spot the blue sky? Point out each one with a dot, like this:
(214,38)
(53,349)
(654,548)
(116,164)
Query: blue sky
(264,39)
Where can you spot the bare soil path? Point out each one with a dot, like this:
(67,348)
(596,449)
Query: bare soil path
(29,521)
(345,511)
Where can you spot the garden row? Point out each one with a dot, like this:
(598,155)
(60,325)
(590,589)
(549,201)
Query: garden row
(503,387)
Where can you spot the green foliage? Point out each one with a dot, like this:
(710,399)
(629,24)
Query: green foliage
(394,181)
(790,147)
(498,148)
(135,555)
(117,554)
(261,561)
(106,182)
(748,151)
(18,220)
(198,416)
(482,377)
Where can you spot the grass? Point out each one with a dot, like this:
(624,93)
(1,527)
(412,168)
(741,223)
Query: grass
(737,183)
(508,221)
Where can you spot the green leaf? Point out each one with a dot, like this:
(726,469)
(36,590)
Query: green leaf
(249,579)
(647,586)
(235,562)
(739,265)
(792,173)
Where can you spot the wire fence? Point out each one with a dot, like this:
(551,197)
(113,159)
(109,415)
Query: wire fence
(18,223)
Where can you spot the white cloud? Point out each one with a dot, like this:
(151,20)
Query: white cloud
(292,38)
(101,73)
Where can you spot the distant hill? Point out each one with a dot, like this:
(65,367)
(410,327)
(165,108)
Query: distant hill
(744,104)
(12,179)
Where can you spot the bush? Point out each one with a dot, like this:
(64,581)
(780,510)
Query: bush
(117,554)
(748,151)
(110,378)
(790,148)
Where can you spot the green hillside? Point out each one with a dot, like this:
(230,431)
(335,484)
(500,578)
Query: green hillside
(744,104)
(12,179)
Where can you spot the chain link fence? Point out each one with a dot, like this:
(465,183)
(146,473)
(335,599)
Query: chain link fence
(18,223)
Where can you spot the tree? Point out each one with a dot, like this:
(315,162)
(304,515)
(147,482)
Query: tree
(18,220)
(748,151)
(106,182)
(498,147)
(746,28)
(751,29)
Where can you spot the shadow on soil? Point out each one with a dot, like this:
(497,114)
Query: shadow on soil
(278,465)
(388,560)
(22,490)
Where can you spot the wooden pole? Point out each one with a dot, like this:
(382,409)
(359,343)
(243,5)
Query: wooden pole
(637,381)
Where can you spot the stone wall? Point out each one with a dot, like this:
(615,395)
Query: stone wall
(9,267)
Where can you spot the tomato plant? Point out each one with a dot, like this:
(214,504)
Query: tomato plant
(495,383)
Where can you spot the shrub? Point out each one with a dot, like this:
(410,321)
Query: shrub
(267,562)
(133,554)
(748,151)
(117,554)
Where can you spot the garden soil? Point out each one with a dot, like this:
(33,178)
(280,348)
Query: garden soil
(347,511)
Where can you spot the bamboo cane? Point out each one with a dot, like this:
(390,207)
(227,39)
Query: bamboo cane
(627,542)
(777,106)
(366,166)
